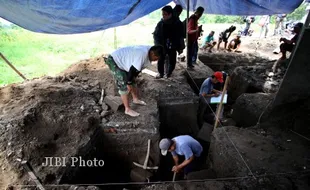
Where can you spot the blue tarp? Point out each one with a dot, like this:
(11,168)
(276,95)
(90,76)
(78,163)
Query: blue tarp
(80,16)
(244,7)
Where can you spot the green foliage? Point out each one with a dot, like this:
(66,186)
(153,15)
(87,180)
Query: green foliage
(298,13)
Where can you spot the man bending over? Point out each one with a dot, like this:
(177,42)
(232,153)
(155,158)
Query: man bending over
(125,64)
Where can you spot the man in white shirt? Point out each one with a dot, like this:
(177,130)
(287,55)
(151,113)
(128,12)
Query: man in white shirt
(125,64)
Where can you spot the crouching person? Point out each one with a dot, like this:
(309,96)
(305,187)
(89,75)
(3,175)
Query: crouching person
(125,64)
(209,42)
(234,44)
(186,146)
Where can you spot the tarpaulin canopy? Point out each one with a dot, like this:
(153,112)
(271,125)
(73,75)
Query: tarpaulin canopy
(80,16)
(244,7)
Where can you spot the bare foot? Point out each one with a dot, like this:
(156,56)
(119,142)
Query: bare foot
(139,102)
(131,113)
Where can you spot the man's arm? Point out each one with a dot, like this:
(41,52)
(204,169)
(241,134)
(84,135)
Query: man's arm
(189,157)
(216,91)
(157,34)
(288,41)
(229,35)
(176,159)
(238,46)
(185,163)
(210,95)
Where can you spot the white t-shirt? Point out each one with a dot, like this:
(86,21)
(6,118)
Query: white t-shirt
(137,56)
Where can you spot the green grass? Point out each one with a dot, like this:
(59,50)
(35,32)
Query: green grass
(37,54)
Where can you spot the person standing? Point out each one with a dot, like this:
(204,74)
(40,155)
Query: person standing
(248,21)
(264,24)
(183,145)
(125,65)
(279,26)
(194,32)
(168,33)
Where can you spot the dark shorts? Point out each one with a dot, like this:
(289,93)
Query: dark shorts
(287,47)
(195,165)
(120,76)
(223,37)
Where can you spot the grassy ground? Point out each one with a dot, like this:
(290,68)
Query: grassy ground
(36,54)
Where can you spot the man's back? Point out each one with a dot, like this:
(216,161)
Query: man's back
(171,29)
(206,87)
(136,56)
(187,146)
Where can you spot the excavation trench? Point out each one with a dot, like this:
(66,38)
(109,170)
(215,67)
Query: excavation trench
(177,117)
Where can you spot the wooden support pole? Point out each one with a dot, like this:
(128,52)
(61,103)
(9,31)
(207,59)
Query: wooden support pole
(115,39)
(218,111)
(187,16)
(147,154)
(2,56)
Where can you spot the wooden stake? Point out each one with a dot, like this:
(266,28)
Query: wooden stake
(2,56)
(218,111)
(174,174)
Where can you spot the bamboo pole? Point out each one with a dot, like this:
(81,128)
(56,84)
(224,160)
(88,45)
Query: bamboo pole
(2,56)
(187,16)
(115,39)
(218,111)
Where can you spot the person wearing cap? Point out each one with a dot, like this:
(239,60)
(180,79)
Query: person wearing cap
(125,65)
(220,86)
(183,145)
(234,44)
(206,92)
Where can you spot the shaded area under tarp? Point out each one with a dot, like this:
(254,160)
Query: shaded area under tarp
(80,16)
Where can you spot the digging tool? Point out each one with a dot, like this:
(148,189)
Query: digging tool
(30,171)
(144,166)
(174,174)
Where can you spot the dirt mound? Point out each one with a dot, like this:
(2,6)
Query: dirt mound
(62,117)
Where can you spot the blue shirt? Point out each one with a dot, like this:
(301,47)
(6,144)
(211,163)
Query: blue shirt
(207,39)
(187,146)
(206,87)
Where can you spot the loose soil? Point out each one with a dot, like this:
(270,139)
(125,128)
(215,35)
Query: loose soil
(58,116)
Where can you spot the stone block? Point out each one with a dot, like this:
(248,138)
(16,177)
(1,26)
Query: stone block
(115,102)
(248,108)
(205,132)
(140,175)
